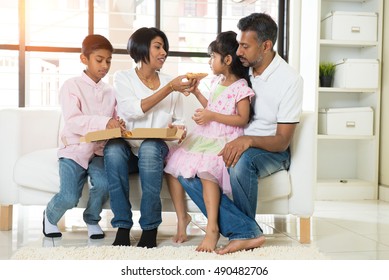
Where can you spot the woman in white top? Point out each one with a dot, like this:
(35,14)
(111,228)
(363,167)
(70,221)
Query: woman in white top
(146,99)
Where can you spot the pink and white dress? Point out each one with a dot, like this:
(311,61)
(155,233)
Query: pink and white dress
(197,154)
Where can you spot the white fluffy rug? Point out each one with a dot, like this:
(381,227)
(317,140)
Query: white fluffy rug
(164,253)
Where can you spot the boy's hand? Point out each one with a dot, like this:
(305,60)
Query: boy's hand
(115,123)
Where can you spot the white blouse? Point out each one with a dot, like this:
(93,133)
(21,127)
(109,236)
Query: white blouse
(130,91)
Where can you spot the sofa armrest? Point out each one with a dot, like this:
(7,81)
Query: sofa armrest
(302,170)
(23,130)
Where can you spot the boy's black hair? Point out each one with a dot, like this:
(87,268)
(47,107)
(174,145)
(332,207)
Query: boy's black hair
(138,45)
(95,42)
(226,44)
(263,24)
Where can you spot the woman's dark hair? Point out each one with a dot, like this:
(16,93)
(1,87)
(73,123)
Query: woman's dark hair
(95,42)
(263,24)
(138,45)
(226,44)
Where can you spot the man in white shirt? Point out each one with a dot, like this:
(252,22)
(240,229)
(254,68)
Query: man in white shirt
(264,149)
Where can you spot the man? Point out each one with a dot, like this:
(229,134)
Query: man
(264,148)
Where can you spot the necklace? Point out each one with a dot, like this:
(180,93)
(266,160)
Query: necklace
(148,82)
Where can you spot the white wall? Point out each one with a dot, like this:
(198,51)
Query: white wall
(384,137)
(310,32)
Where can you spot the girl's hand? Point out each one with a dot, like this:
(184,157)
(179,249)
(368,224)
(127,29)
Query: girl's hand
(202,116)
(193,88)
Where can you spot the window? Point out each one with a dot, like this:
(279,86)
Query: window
(40,39)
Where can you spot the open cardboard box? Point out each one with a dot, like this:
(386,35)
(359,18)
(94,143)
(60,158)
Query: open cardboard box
(168,134)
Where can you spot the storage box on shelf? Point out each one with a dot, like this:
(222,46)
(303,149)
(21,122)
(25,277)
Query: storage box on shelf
(354,26)
(356,73)
(346,121)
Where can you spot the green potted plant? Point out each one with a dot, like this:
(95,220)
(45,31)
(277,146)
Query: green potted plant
(326,74)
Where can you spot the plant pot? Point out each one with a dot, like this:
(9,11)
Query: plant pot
(326,81)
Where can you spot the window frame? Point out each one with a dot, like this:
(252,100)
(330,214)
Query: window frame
(282,49)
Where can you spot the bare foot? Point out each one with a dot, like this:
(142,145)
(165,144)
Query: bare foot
(182,224)
(209,242)
(242,244)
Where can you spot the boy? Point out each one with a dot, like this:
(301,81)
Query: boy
(88,104)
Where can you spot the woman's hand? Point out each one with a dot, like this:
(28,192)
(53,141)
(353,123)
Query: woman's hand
(183,127)
(183,85)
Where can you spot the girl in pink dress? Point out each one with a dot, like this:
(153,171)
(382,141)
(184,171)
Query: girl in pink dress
(222,119)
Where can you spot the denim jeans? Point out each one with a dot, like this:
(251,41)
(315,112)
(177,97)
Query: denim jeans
(237,216)
(72,180)
(233,223)
(254,163)
(119,163)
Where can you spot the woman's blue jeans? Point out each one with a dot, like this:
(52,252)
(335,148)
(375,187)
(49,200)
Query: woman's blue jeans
(237,216)
(72,180)
(119,163)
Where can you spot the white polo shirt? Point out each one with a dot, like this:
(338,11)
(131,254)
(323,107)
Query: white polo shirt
(278,98)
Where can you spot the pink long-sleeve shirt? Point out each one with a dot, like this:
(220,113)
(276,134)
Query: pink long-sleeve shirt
(86,106)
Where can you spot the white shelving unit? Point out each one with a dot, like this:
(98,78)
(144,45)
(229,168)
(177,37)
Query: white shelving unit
(347,166)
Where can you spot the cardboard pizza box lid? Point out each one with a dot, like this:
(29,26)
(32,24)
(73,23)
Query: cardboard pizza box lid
(168,134)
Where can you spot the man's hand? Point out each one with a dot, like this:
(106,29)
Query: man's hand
(233,150)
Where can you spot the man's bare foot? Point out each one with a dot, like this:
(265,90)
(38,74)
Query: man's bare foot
(182,224)
(209,242)
(242,244)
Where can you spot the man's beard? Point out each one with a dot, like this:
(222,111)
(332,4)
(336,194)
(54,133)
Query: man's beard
(255,62)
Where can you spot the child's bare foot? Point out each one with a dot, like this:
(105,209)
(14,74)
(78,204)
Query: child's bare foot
(182,224)
(209,242)
(242,244)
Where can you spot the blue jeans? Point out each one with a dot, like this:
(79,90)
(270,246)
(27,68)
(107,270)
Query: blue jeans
(237,217)
(119,163)
(254,163)
(72,180)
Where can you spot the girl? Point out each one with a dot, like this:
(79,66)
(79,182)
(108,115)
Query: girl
(221,120)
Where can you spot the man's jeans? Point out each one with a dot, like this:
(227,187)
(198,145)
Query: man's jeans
(237,217)
(253,164)
(119,163)
(72,180)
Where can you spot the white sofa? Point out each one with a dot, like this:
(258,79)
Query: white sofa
(29,169)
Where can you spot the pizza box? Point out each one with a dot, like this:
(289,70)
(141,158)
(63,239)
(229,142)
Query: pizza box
(168,134)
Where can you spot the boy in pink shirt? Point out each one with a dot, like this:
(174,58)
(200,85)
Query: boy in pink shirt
(88,104)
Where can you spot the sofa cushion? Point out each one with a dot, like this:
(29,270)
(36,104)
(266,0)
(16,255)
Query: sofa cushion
(39,171)
(274,187)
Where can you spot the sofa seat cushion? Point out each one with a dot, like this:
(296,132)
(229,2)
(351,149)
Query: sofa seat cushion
(38,170)
(274,187)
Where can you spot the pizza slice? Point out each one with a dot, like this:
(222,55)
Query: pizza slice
(197,76)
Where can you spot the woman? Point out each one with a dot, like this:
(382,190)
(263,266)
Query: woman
(149,99)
